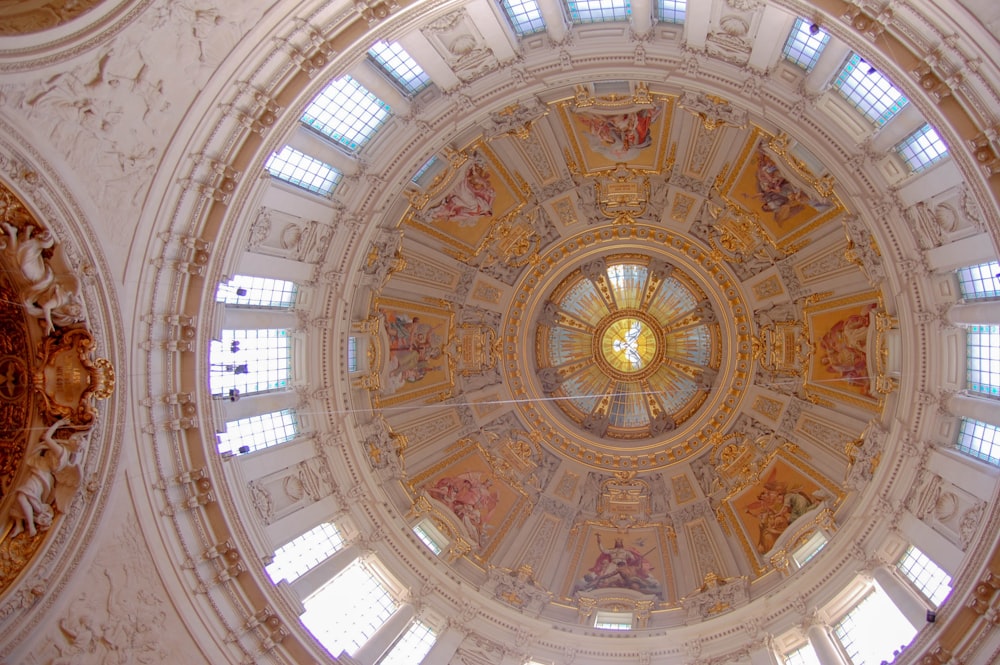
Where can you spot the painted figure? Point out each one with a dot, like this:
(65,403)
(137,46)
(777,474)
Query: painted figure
(619,136)
(620,567)
(470,199)
(843,350)
(776,507)
(472,497)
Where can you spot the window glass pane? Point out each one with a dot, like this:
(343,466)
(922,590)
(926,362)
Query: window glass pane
(980,281)
(250,361)
(347,113)
(804,655)
(873,630)
(613,620)
(412,646)
(352,354)
(927,576)
(869,91)
(301,170)
(257,292)
(525,16)
(804,46)
(979,440)
(809,549)
(348,609)
(305,552)
(597,11)
(398,64)
(671,11)
(259,432)
(430,535)
(983,358)
(922,148)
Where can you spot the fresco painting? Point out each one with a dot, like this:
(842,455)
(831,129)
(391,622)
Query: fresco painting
(463,207)
(767,508)
(605,133)
(414,362)
(611,560)
(840,365)
(785,205)
(482,504)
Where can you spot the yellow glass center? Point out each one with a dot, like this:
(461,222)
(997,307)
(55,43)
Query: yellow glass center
(628,345)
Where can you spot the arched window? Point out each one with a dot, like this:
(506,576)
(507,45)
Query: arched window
(250,361)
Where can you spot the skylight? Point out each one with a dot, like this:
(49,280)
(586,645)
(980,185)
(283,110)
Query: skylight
(398,64)
(598,11)
(809,549)
(980,281)
(804,46)
(257,292)
(347,611)
(412,647)
(671,11)
(869,91)
(983,359)
(250,361)
(259,432)
(430,535)
(524,15)
(933,582)
(347,112)
(303,171)
(922,148)
(804,655)
(873,629)
(980,440)
(294,559)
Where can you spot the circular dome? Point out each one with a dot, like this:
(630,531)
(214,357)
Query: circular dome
(635,367)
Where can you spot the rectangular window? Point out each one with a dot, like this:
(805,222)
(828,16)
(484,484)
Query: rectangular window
(979,440)
(294,559)
(348,609)
(352,354)
(869,91)
(430,535)
(932,582)
(599,11)
(524,16)
(671,11)
(982,345)
(613,620)
(922,148)
(980,281)
(805,43)
(347,112)
(246,291)
(412,647)
(873,629)
(250,361)
(804,655)
(301,170)
(802,554)
(399,66)
(258,432)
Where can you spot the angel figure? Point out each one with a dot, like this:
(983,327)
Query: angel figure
(54,475)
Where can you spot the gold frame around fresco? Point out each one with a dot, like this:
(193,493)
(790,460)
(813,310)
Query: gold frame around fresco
(512,182)
(731,522)
(778,146)
(463,450)
(576,156)
(439,390)
(811,384)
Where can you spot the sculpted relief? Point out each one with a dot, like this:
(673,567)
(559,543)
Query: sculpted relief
(48,384)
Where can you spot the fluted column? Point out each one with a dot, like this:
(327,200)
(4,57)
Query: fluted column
(445,646)
(976,408)
(824,645)
(977,313)
(386,635)
(913,607)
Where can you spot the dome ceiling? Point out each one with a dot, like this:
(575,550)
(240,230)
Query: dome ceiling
(625,317)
